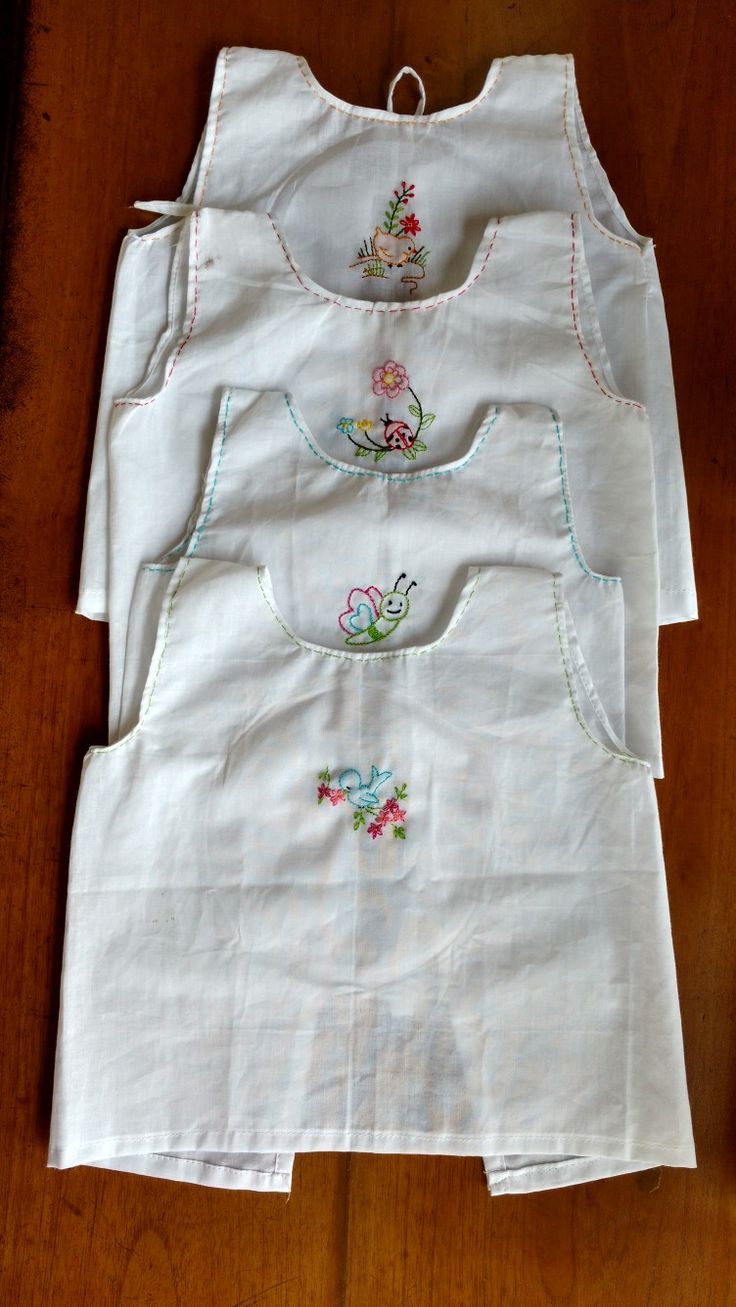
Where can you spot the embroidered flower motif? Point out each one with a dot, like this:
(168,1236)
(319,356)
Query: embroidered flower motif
(392,244)
(390,379)
(410,224)
(326,792)
(371,615)
(363,796)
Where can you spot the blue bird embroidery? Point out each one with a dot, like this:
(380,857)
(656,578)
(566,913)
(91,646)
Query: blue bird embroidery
(360,794)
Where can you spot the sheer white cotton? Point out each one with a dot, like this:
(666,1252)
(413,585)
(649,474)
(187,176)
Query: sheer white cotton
(389,207)
(364,555)
(519,328)
(404,900)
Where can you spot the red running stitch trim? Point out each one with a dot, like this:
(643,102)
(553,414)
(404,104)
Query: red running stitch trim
(617,399)
(140,403)
(377,307)
(226,61)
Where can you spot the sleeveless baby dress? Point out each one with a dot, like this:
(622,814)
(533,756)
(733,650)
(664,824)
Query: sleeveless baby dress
(363,554)
(368,377)
(322,897)
(389,207)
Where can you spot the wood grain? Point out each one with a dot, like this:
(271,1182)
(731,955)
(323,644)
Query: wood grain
(113,99)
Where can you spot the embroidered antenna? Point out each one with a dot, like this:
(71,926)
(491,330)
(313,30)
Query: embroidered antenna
(371,615)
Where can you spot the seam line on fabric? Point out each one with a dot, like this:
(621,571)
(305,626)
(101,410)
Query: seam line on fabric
(577,554)
(226,61)
(564,654)
(412,1134)
(141,403)
(109,748)
(617,399)
(582,189)
(216,1166)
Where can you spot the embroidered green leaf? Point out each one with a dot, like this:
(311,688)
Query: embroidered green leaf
(399,833)
(325,776)
(414,410)
(400,791)
(361,451)
(358,819)
(379,454)
(427,421)
(420,446)
(410,452)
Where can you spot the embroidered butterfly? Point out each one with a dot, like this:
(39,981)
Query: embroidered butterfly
(372,615)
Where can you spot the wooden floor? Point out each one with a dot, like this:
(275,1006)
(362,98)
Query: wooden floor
(113,98)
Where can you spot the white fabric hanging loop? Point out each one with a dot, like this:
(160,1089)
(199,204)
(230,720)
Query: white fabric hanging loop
(407,71)
(166,208)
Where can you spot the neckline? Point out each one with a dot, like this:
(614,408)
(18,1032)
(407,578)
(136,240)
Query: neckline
(481,257)
(388,115)
(465,596)
(486,424)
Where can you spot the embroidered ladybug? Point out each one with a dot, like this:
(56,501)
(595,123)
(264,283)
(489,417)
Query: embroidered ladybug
(397,435)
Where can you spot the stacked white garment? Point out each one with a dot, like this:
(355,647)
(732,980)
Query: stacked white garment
(387,207)
(364,556)
(323,898)
(520,328)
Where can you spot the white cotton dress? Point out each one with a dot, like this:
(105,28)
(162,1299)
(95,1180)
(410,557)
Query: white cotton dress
(363,554)
(520,329)
(388,207)
(383,900)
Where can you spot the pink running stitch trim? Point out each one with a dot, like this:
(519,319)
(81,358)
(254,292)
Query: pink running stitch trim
(378,307)
(617,399)
(226,61)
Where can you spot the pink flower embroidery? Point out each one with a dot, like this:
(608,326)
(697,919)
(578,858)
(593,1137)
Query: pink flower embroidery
(326,792)
(390,379)
(375,829)
(410,224)
(392,811)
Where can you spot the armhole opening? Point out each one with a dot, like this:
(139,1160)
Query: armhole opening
(602,206)
(585,701)
(183,297)
(136,701)
(569,512)
(586,322)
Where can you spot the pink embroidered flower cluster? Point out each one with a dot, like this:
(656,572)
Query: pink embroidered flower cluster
(391,814)
(327,792)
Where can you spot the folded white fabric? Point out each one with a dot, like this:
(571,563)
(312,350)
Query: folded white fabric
(389,206)
(518,329)
(408,900)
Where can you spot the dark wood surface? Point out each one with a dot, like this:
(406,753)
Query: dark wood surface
(114,95)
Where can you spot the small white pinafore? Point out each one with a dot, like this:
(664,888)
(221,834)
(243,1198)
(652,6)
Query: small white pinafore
(364,555)
(390,207)
(366,378)
(386,900)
